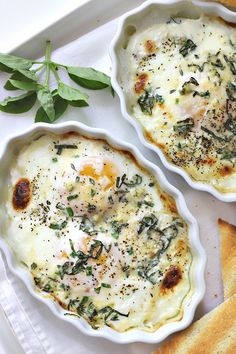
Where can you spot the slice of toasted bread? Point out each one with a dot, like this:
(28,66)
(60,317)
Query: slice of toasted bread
(214,333)
(228,257)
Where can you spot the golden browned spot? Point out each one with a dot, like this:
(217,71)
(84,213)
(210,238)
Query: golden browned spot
(150,138)
(21,194)
(150,46)
(61,303)
(141,83)
(180,249)
(69,135)
(108,171)
(226,170)
(170,202)
(208,161)
(171,278)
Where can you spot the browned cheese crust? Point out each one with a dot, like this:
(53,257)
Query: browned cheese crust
(228,257)
(214,333)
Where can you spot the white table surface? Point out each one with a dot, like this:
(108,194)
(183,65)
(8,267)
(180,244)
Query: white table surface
(22,19)
(19,21)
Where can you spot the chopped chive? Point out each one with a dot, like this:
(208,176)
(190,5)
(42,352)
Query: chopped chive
(89,270)
(93,192)
(70,212)
(71,197)
(54,159)
(105,285)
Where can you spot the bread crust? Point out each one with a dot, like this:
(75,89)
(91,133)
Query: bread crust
(228,257)
(214,333)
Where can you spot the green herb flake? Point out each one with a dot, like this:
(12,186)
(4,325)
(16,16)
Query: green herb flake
(61,147)
(187,47)
(33,266)
(184,126)
(89,270)
(130,250)
(58,226)
(92,192)
(105,285)
(70,212)
(71,197)
(97,290)
(148,100)
(91,180)
(47,288)
(54,159)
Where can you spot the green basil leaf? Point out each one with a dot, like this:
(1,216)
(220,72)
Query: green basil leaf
(26,86)
(70,93)
(60,106)
(5,69)
(28,74)
(14,62)
(89,77)
(16,76)
(79,103)
(19,104)
(46,100)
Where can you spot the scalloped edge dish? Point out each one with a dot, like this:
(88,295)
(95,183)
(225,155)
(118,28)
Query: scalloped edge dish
(199,257)
(170,8)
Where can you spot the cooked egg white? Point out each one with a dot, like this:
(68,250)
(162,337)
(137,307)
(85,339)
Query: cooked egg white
(97,233)
(180,85)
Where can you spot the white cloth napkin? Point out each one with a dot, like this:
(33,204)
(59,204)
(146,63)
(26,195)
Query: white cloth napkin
(18,318)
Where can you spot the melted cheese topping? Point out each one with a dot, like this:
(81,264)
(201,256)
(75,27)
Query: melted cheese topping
(98,234)
(181,87)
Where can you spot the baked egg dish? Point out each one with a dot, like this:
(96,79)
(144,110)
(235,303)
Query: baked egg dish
(178,78)
(97,233)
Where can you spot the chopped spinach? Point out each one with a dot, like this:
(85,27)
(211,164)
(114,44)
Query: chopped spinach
(231,91)
(58,226)
(187,47)
(147,101)
(211,133)
(232,64)
(184,126)
(87,226)
(186,87)
(204,94)
(136,180)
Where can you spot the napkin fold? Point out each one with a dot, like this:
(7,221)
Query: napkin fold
(17,317)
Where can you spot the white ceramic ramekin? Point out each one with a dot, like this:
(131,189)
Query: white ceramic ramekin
(164,9)
(199,258)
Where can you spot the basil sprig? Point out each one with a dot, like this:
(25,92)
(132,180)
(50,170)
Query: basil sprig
(53,103)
